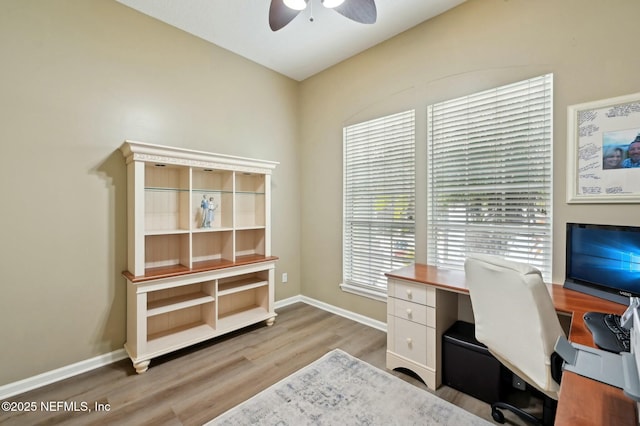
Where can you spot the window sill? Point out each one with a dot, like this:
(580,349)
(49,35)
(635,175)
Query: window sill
(375,294)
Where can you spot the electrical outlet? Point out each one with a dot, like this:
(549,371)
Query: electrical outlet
(284,277)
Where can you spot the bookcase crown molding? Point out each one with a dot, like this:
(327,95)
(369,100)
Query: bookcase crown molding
(151,153)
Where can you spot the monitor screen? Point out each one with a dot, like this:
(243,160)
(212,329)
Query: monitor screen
(603,260)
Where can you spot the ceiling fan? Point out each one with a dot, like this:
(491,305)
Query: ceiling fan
(281,12)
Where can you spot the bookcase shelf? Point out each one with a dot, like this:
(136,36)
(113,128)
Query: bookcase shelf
(239,286)
(178,302)
(199,250)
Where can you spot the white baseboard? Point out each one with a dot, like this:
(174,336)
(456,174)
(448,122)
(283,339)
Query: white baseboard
(30,383)
(379,325)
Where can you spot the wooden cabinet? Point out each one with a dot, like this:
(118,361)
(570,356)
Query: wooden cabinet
(417,316)
(199,247)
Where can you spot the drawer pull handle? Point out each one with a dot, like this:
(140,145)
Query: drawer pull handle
(409,341)
(409,293)
(408,312)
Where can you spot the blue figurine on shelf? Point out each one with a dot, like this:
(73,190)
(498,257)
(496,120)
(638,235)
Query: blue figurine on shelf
(208,208)
(204,207)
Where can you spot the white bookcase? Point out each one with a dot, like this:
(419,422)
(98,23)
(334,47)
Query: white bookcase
(196,270)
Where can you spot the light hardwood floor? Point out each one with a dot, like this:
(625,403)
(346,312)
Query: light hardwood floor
(192,386)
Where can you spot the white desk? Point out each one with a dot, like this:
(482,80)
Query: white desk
(581,401)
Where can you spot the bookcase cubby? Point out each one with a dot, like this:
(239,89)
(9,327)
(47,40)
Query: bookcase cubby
(199,247)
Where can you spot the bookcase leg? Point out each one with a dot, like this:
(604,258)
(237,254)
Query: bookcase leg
(270,321)
(141,366)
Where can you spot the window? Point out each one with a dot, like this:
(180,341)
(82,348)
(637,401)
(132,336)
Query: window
(489,176)
(379,201)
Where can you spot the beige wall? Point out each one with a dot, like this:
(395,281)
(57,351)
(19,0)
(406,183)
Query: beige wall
(78,77)
(588,45)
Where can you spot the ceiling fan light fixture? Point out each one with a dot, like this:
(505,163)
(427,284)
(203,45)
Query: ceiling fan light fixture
(330,4)
(281,12)
(295,4)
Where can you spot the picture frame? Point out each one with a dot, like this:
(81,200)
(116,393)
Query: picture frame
(603,151)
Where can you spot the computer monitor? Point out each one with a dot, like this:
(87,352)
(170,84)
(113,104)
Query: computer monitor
(603,260)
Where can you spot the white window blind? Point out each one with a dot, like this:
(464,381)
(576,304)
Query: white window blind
(379,200)
(489,176)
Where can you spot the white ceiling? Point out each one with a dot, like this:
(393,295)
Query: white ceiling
(302,48)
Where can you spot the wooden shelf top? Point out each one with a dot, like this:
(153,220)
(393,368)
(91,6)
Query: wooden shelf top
(211,265)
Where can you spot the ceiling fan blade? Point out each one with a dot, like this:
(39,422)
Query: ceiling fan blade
(363,11)
(280,15)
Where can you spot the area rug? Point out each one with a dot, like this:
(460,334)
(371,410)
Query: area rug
(339,389)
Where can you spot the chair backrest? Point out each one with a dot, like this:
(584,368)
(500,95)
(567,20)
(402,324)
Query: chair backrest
(514,317)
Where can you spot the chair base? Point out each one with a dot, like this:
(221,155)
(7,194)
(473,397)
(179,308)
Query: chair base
(548,412)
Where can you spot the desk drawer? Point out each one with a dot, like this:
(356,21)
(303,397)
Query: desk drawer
(415,312)
(416,293)
(408,339)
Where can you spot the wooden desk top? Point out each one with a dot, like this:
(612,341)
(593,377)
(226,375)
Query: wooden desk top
(582,401)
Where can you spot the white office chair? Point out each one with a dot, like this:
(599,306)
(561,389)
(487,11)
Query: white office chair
(516,320)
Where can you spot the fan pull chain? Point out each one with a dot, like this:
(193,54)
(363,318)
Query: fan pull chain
(310,11)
